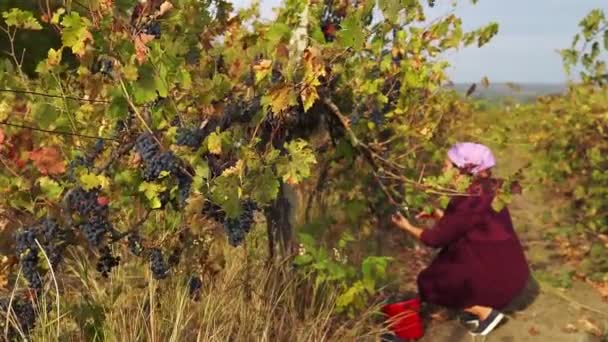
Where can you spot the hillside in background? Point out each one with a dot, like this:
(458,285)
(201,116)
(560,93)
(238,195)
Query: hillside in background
(519,92)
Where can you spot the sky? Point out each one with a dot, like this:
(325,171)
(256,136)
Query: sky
(525,49)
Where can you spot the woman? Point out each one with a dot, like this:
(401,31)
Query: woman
(481,267)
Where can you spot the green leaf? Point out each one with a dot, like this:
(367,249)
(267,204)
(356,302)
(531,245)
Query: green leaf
(225,193)
(276,32)
(151,192)
(263,186)
(144,90)
(118,108)
(302,260)
(200,176)
(45,115)
(21,19)
(50,188)
(57,15)
(390,9)
(75,32)
(351,35)
(297,165)
(185,79)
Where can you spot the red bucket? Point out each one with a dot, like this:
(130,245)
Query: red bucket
(404,318)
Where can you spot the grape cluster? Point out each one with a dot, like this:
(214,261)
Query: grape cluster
(103,65)
(184,183)
(24,314)
(158,266)
(95,224)
(377,117)
(27,251)
(163,162)
(88,159)
(191,137)
(195,284)
(152,28)
(237,228)
(45,234)
(106,261)
(155,161)
(54,241)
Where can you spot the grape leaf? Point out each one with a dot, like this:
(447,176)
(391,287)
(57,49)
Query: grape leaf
(21,19)
(45,115)
(351,35)
(144,90)
(225,193)
(151,192)
(75,32)
(297,165)
(279,98)
(47,161)
(91,181)
(51,189)
(214,143)
(262,69)
(263,186)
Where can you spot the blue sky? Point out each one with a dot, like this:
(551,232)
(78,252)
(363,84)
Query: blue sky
(524,51)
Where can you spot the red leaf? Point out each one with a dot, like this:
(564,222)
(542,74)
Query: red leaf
(2,136)
(48,161)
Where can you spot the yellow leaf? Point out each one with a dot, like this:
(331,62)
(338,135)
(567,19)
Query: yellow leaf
(309,96)
(54,57)
(236,169)
(262,69)
(281,98)
(214,143)
(90,181)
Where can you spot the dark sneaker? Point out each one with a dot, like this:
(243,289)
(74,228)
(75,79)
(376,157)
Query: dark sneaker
(487,325)
(469,320)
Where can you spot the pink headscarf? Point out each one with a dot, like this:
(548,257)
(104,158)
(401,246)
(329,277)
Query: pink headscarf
(477,157)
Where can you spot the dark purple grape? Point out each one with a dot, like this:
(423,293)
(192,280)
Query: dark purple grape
(158,266)
(237,228)
(191,137)
(106,261)
(153,28)
(195,284)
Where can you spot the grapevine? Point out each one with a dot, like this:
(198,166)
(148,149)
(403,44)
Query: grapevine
(195,111)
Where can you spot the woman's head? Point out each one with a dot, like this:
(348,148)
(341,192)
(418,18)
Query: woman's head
(471,158)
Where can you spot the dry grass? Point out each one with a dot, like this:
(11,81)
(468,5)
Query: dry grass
(243,303)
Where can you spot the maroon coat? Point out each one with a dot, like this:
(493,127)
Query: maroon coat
(481,262)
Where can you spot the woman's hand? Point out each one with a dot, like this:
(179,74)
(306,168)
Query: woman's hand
(404,224)
(400,221)
(436,215)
